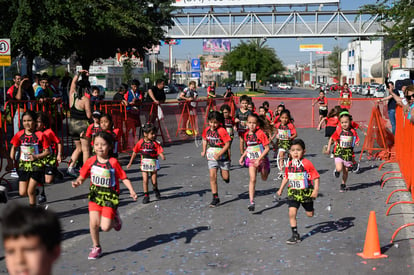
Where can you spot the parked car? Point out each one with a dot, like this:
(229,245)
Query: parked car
(372,88)
(166,89)
(284,86)
(380,91)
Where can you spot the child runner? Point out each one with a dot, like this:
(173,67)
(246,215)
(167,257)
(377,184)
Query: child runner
(354,125)
(323,106)
(241,118)
(332,121)
(303,186)
(105,172)
(51,161)
(216,142)
(345,139)
(256,154)
(251,107)
(150,149)
(229,124)
(279,109)
(269,113)
(266,115)
(270,132)
(345,97)
(95,127)
(286,132)
(107,125)
(34,146)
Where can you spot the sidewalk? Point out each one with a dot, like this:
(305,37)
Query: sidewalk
(180,234)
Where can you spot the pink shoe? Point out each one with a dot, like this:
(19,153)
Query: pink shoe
(117,221)
(95,253)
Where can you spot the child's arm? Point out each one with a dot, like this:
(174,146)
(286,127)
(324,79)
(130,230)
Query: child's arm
(78,182)
(40,156)
(13,153)
(264,153)
(132,193)
(222,151)
(162,156)
(133,156)
(320,123)
(59,152)
(242,157)
(203,153)
(328,148)
(282,186)
(315,188)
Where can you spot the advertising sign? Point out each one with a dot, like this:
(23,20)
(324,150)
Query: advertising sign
(311,47)
(213,66)
(195,74)
(324,52)
(201,3)
(195,64)
(216,45)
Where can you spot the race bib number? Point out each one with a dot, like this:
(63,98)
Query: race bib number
(149,165)
(27,150)
(345,96)
(254,152)
(212,151)
(283,134)
(298,180)
(230,131)
(346,141)
(101,176)
(323,108)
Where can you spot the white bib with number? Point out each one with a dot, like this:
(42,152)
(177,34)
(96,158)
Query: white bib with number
(254,152)
(345,96)
(27,150)
(212,151)
(298,180)
(101,176)
(148,165)
(283,134)
(346,141)
(323,108)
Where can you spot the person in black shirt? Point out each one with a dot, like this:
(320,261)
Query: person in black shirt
(120,95)
(156,93)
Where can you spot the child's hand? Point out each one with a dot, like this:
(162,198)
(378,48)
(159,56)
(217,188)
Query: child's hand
(82,134)
(357,143)
(241,161)
(129,165)
(32,157)
(163,157)
(203,154)
(314,194)
(59,158)
(133,195)
(279,192)
(318,129)
(76,183)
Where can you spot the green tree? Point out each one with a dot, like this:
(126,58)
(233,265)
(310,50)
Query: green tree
(400,13)
(252,57)
(335,62)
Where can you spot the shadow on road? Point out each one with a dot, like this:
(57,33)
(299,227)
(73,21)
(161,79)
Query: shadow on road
(329,226)
(74,233)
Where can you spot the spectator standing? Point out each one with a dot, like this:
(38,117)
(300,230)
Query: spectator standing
(190,96)
(211,95)
(393,99)
(120,95)
(155,95)
(16,79)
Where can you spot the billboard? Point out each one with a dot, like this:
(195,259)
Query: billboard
(195,64)
(311,47)
(213,65)
(216,45)
(209,3)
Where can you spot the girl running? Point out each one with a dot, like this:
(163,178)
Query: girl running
(241,119)
(331,121)
(51,161)
(286,132)
(107,125)
(104,172)
(34,147)
(303,186)
(345,97)
(345,139)
(256,154)
(277,113)
(95,127)
(216,142)
(323,105)
(150,149)
(229,124)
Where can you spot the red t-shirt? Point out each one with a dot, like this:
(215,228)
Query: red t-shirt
(345,93)
(347,139)
(150,149)
(92,130)
(257,138)
(306,167)
(322,101)
(228,125)
(103,174)
(53,139)
(30,144)
(332,121)
(285,132)
(216,138)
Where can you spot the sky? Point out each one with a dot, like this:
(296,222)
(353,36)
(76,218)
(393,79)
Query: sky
(287,49)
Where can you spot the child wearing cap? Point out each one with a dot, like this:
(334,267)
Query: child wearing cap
(94,127)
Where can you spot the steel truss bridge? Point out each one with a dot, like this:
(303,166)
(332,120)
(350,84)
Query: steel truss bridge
(275,24)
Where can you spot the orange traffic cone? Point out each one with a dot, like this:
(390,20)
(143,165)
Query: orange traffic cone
(372,249)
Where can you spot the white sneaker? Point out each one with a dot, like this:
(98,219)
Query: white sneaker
(332,156)
(14,174)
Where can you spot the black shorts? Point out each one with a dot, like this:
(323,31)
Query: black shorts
(323,113)
(49,170)
(329,130)
(27,175)
(307,205)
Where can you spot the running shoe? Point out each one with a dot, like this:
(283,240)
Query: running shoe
(14,173)
(355,167)
(72,172)
(215,202)
(336,173)
(157,194)
(146,200)
(294,239)
(332,156)
(251,206)
(117,221)
(95,253)
(42,198)
(342,188)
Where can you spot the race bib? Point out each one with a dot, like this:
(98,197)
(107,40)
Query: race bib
(212,151)
(346,141)
(27,150)
(323,108)
(230,131)
(345,96)
(254,152)
(148,165)
(100,176)
(298,180)
(283,134)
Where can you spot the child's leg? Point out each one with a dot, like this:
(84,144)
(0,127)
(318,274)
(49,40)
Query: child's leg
(225,175)
(94,222)
(31,191)
(241,145)
(339,166)
(145,182)
(154,180)
(265,173)
(213,181)
(106,223)
(252,182)
(292,217)
(49,179)
(345,175)
(23,188)
(281,158)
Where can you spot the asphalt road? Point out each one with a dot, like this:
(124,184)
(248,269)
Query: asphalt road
(180,234)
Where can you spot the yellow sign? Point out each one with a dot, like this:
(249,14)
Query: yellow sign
(311,47)
(5,60)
